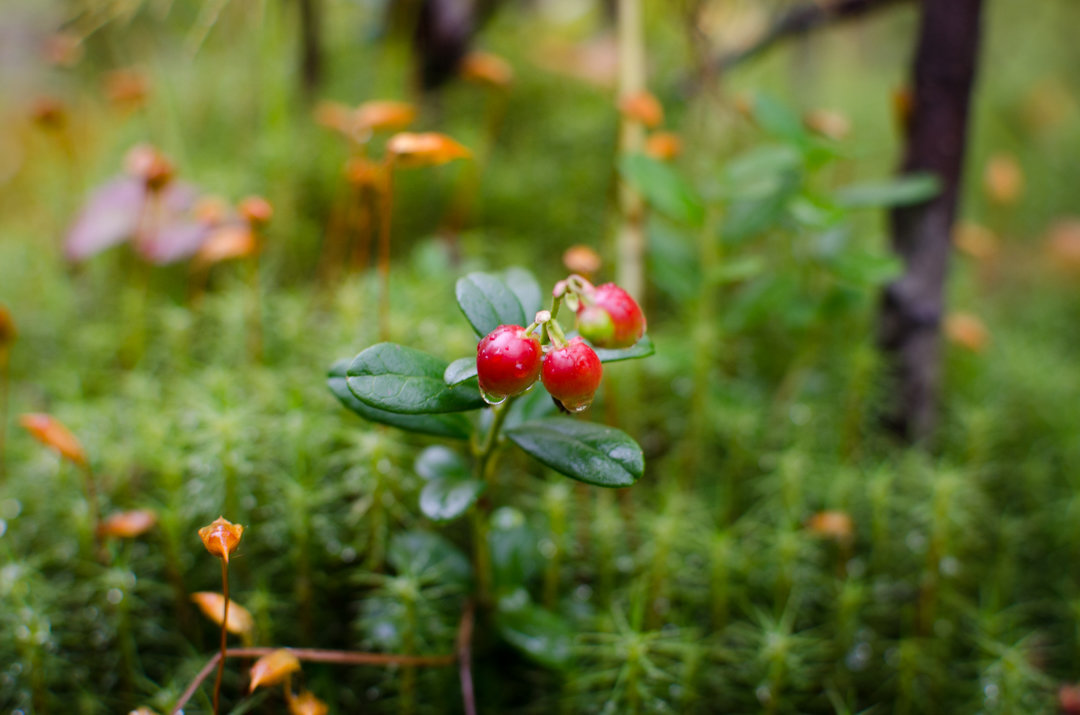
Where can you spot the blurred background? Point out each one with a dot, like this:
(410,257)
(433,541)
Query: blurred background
(785,552)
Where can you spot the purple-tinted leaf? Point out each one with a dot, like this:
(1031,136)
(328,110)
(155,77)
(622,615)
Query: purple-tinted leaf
(109,217)
(174,241)
(179,196)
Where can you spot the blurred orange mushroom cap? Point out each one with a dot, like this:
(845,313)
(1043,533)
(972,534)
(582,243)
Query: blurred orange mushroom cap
(425,149)
(51,432)
(486,68)
(273,668)
(642,107)
(128,524)
(213,606)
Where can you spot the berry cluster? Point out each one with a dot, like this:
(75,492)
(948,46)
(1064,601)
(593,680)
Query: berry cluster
(511,358)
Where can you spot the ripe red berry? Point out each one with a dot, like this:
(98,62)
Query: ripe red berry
(507,362)
(609,318)
(571,374)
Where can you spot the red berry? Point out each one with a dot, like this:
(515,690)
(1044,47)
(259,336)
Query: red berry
(609,318)
(571,374)
(507,362)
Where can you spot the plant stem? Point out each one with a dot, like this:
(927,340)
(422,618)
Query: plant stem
(224,635)
(482,511)
(5,388)
(255,311)
(385,211)
(95,512)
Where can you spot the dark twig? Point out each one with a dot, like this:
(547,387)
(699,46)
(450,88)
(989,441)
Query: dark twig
(798,20)
(348,657)
(908,332)
(464,657)
(314,655)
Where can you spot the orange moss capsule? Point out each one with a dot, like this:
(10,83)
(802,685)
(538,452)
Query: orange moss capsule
(486,68)
(256,210)
(426,149)
(146,162)
(212,605)
(383,115)
(642,107)
(663,146)
(211,210)
(52,433)
(8,332)
(362,172)
(307,704)
(581,259)
(49,113)
(273,668)
(333,115)
(1063,244)
(828,123)
(221,537)
(1003,179)
(975,241)
(227,243)
(127,88)
(128,524)
(832,524)
(967,331)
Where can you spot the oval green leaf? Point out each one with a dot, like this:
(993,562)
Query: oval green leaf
(454,426)
(524,285)
(538,633)
(663,188)
(450,488)
(900,191)
(591,453)
(459,371)
(398,379)
(642,348)
(488,302)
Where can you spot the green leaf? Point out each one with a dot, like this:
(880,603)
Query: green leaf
(488,302)
(459,371)
(777,119)
(591,453)
(737,270)
(663,188)
(866,269)
(533,405)
(901,191)
(540,634)
(514,556)
(404,380)
(642,348)
(450,488)
(455,426)
(523,283)
(428,557)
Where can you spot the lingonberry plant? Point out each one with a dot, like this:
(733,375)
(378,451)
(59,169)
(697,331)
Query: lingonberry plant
(509,380)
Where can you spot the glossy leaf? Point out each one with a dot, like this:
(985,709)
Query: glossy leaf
(452,425)
(664,188)
(450,488)
(488,302)
(642,348)
(901,191)
(524,285)
(515,557)
(429,557)
(591,453)
(538,633)
(460,370)
(399,379)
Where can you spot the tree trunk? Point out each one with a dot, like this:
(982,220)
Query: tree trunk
(311,60)
(912,307)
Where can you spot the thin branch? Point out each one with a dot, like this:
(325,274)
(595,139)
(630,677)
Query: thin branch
(463,649)
(348,657)
(314,655)
(799,20)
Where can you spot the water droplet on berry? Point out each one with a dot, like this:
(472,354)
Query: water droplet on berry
(580,408)
(492,399)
